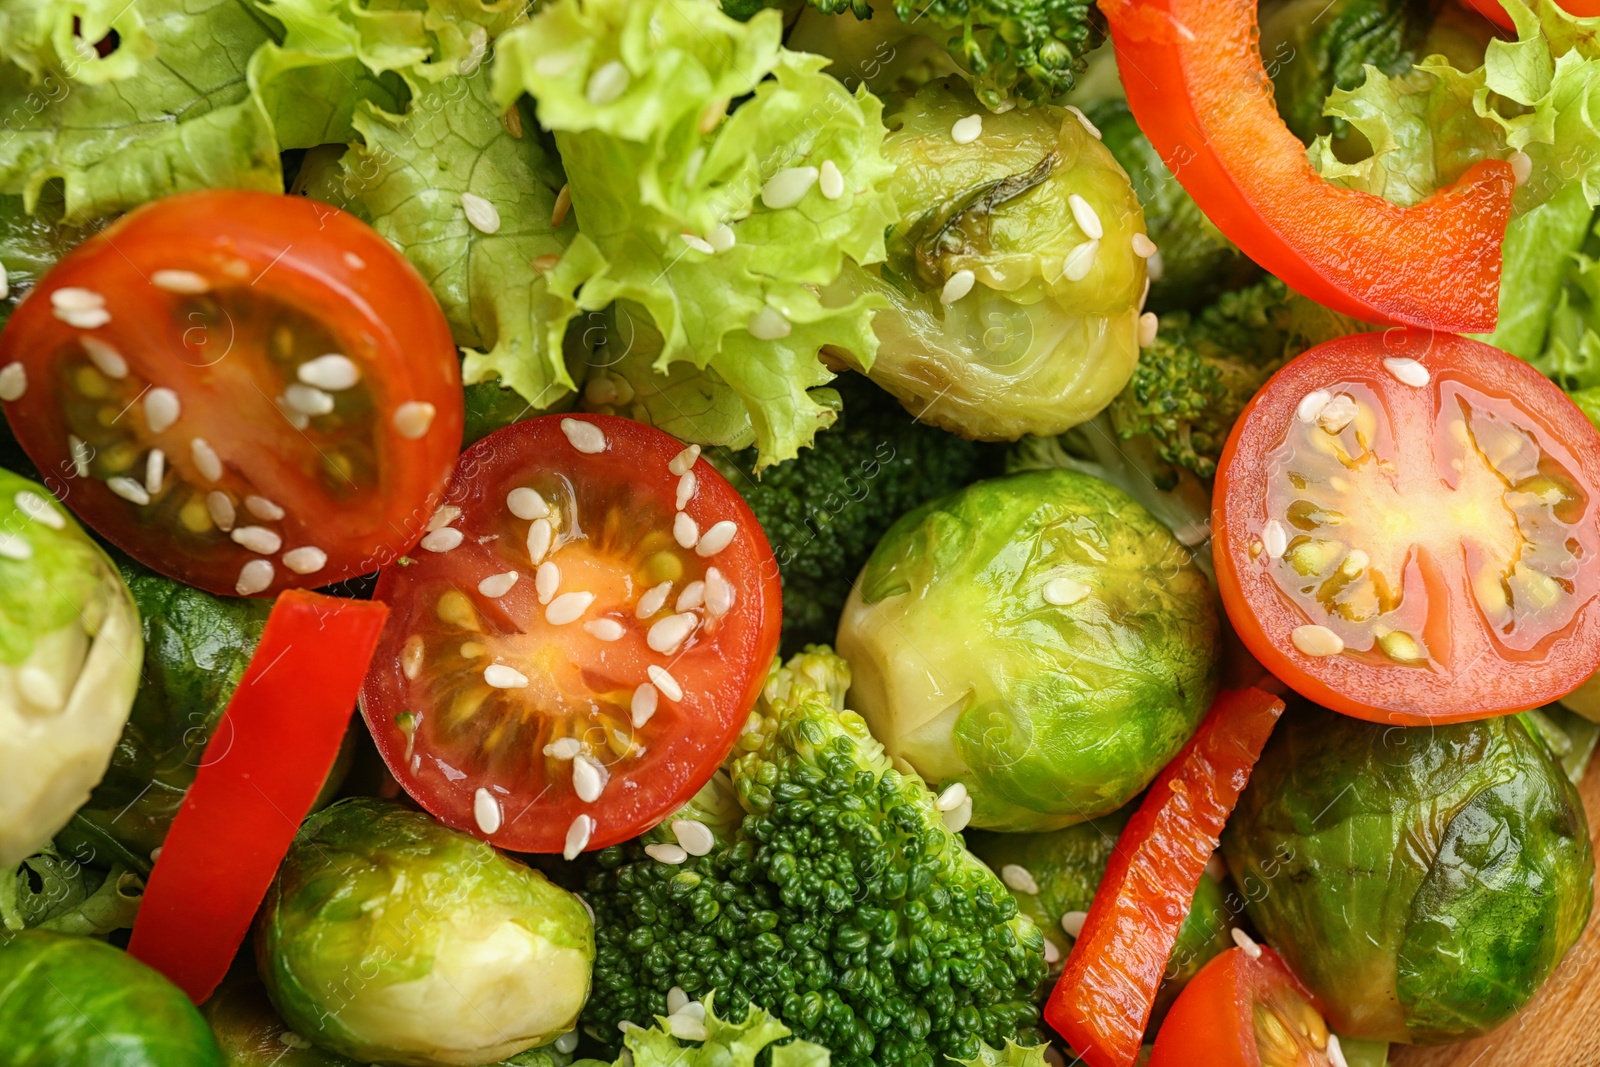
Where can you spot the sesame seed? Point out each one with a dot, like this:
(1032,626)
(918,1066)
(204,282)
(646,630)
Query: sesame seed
(769,324)
(332,372)
(722,237)
(205,458)
(1521,167)
(1154,268)
(220,505)
(74,298)
(105,357)
(443,540)
(546,580)
(714,540)
(80,455)
(686,483)
(307,559)
(540,536)
(578,835)
(1408,371)
(180,281)
(15,546)
(1018,877)
(665,682)
(563,205)
(957,819)
(674,855)
(257,539)
(951,798)
(1143,247)
(643,705)
(1064,592)
(1311,405)
(586,437)
(161,409)
(1144,294)
(685,530)
(486,810)
(262,508)
(685,1027)
(526,503)
(669,633)
(354,262)
(499,676)
(693,595)
(604,629)
(481,214)
(568,607)
(1094,131)
(966,130)
(308,400)
(1080,261)
(653,599)
(1246,942)
(155,471)
(1274,538)
(588,778)
(957,286)
(92,319)
(830,182)
(1340,412)
(1149,326)
(498,585)
(13,382)
(1334,1051)
(608,83)
(683,461)
(254,577)
(677,999)
(694,836)
(412,419)
(442,517)
(698,243)
(39,509)
(5,283)
(564,748)
(788,187)
(1317,641)
(129,490)
(1084,214)
(1052,955)
(719,593)
(1072,923)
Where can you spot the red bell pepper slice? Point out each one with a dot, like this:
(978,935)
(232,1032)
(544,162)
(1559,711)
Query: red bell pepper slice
(261,773)
(1497,14)
(1102,1001)
(1196,85)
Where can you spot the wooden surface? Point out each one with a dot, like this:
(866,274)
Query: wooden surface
(1561,1028)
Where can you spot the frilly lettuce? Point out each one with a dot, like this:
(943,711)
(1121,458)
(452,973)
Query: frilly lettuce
(58,36)
(635,93)
(726,1044)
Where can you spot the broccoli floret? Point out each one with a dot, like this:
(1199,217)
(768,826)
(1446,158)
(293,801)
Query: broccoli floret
(843,902)
(825,510)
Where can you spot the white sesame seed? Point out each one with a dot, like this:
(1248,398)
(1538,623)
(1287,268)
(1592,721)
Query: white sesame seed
(1317,641)
(694,836)
(604,629)
(526,503)
(13,382)
(1144,294)
(588,778)
(966,130)
(262,508)
(769,324)
(957,819)
(129,490)
(722,237)
(1149,326)
(1018,877)
(1311,405)
(498,585)
(443,540)
(568,607)
(15,546)
(686,1027)
(950,799)
(331,372)
(719,593)
(665,682)
(540,536)
(257,539)
(674,855)
(308,400)
(685,530)
(1052,955)
(1521,167)
(161,408)
(567,1043)
(669,633)
(1084,214)
(180,281)
(1246,942)
(653,599)
(1143,247)
(205,458)
(155,471)
(254,577)
(546,580)
(830,182)
(92,319)
(1154,268)
(412,419)
(1064,592)
(686,482)
(1080,261)
(643,705)
(1094,131)
(683,461)
(481,214)
(80,455)
(39,509)
(586,437)
(698,243)
(957,286)
(1274,538)
(693,595)
(74,298)
(1340,412)
(608,83)
(1334,1051)
(788,187)
(562,206)
(564,748)
(1072,923)
(486,810)
(1408,371)
(677,999)
(307,559)
(220,505)
(714,540)
(578,835)
(499,676)
(443,516)
(105,357)
(5,283)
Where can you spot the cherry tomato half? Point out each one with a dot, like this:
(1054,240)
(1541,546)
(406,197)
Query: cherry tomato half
(1243,1011)
(1496,13)
(246,392)
(580,639)
(1409,530)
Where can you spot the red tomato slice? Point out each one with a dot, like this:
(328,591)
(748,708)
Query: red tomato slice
(1495,13)
(1424,546)
(1244,1011)
(1101,1004)
(245,392)
(1195,82)
(261,773)
(572,653)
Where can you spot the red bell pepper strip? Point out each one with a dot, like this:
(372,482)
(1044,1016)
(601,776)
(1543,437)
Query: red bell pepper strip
(1196,85)
(1497,14)
(1102,1001)
(262,770)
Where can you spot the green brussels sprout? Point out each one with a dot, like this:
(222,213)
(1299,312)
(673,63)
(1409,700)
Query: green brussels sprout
(1039,638)
(76,1002)
(1422,881)
(1004,314)
(70,652)
(387,937)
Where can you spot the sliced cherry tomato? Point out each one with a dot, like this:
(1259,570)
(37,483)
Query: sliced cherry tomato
(1101,1004)
(1244,1009)
(245,392)
(261,773)
(580,640)
(1195,82)
(1408,530)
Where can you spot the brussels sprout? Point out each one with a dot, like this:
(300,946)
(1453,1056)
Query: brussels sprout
(1422,881)
(1039,638)
(75,1002)
(1020,347)
(69,665)
(387,937)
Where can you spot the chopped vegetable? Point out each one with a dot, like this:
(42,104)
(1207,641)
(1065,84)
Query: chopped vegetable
(702,1038)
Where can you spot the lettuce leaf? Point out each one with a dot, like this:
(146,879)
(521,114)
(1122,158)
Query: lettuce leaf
(726,1044)
(1539,245)
(635,93)
(57,37)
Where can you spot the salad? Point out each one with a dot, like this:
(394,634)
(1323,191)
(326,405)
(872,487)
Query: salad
(790,533)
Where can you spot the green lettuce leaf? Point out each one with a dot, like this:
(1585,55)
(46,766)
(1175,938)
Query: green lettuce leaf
(1539,245)
(1013,1055)
(57,37)
(726,1044)
(635,93)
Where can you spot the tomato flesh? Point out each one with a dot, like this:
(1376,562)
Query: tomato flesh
(1243,1011)
(1417,539)
(570,643)
(246,392)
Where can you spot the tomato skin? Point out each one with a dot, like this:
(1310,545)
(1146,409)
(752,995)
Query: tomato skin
(1211,1022)
(1497,14)
(721,670)
(1204,99)
(305,255)
(1485,680)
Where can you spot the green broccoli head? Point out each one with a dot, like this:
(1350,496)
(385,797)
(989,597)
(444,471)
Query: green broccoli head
(843,902)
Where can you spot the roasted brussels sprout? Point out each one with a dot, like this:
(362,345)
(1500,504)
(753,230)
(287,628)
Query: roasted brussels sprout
(1039,638)
(76,1002)
(70,652)
(387,937)
(1012,283)
(1422,881)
